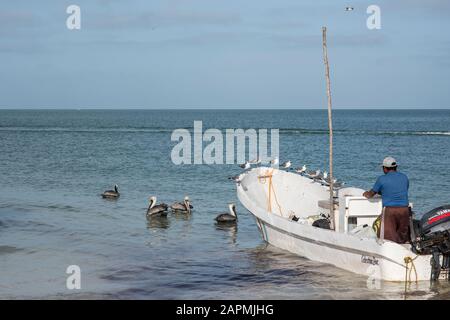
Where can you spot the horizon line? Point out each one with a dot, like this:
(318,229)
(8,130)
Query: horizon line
(219,108)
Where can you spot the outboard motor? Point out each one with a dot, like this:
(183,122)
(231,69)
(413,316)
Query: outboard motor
(431,235)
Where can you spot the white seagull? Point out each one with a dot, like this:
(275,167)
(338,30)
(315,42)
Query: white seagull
(314,174)
(286,164)
(236,178)
(245,165)
(301,170)
(255,161)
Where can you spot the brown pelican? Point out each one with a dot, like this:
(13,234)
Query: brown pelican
(182,207)
(156,209)
(112,194)
(228,217)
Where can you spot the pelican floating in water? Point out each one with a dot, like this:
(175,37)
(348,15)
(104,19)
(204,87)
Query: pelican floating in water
(112,194)
(286,164)
(182,207)
(228,217)
(156,209)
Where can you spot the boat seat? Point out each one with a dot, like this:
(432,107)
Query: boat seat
(325,204)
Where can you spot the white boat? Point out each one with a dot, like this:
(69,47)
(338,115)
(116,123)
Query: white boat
(275,196)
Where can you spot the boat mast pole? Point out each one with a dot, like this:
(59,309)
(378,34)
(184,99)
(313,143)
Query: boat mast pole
(330,124)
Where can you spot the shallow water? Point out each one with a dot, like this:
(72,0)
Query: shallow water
(54,165)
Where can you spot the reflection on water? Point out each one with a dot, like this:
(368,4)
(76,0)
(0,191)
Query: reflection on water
(182,216)
(230,229)
(161,222)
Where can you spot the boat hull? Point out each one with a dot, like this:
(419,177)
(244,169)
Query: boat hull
(373,258)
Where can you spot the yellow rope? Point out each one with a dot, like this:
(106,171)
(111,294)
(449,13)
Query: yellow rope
(409,260)
(262,180)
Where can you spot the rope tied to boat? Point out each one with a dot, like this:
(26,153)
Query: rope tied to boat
(263,179)
(408,270)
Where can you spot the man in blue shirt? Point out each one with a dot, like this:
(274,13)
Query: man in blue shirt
(393,187)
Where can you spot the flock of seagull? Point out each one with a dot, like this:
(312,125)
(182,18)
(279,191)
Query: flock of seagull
(317,175)
(181,207)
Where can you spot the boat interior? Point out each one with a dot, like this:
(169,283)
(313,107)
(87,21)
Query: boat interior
(305,200)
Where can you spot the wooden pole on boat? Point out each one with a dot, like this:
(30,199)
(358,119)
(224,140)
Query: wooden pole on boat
(330,123)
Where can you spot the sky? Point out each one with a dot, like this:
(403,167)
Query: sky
(223,54)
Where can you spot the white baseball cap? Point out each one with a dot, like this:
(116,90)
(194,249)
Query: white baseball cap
(389,162)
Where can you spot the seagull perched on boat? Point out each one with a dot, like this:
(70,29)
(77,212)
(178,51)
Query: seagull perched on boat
(156,209)
(228,217)
(111,194)
(286,164)
(314,174)
(326,178)
(274,161)
(349,8)
(182,207)
(245,165)
(301,170)
(337,184)
(321,176)
(236,178)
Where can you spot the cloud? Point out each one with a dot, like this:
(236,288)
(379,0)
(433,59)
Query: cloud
(17,19)
(357,40)
(164,19)
(428,8)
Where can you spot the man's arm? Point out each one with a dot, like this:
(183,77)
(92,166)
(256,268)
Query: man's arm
(375,189)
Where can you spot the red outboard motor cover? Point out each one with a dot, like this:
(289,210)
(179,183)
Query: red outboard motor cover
(435,220)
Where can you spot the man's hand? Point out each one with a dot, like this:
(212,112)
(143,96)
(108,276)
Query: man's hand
(369,194)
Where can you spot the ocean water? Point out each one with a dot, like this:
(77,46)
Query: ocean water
(55,164)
